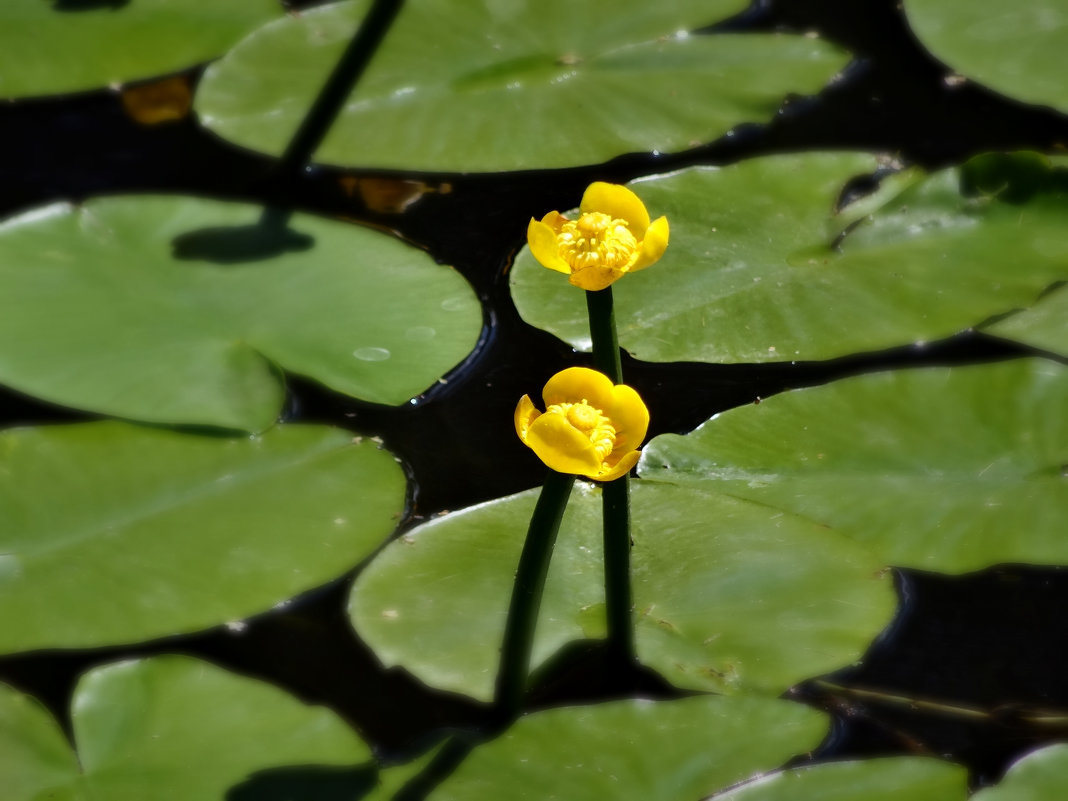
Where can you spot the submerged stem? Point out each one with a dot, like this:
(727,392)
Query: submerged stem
(615,495)
(527,591)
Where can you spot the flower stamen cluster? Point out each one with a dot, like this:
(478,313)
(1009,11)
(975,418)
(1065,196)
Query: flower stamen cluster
(611,237)
(597,240)
(591,422)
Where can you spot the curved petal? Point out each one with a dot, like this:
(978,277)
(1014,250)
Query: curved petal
(525,414)
(554,220)
(629,417)
(618,202)
(614,466)
(653,245)
(542,241)
(579,383)
(595,278)
(561,446)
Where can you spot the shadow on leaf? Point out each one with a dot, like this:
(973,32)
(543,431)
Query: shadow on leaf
(239,244)
(306,783)
(88,5)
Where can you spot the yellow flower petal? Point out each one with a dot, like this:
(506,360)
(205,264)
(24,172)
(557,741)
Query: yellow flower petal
(591,427)
(614,466)
(554,220)
(629,416)
(561,446)
(579,383)
(525,414)
(617,202)
(595,278)
(653,245)
(543,246)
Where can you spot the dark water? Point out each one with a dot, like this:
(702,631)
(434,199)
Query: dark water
(995,642)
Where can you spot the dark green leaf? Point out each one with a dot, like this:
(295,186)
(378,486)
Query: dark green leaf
(897,779)
(114,533)
(172,310)
(754,271)
(1020,50)
(1038,776)
(1043,326)
(513,84)
(640,750)
(947,469)
(57,46)
(730,595)
(168,728)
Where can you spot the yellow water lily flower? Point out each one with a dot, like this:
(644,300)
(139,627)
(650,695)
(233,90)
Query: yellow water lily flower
(611,237)
(590,426)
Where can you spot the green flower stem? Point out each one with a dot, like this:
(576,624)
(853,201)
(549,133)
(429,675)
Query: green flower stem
(615,495)
(527,591)
(615,501)
(333,95)
(603,333)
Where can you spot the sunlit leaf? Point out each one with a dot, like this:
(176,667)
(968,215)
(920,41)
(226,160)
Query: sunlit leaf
(1019,50)
(177,309)
(1041,775)
(730,595)
(56,46)
(946,469)
(897,779)
(754,271)
(1044,325)
(114,533)
(513,84)
(169,728)
(640,750)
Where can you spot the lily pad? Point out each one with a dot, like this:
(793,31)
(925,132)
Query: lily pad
(945,469)
(115,533)
(662,751)
(512,84)
(170,728)
(730,595)
(1043,326)
(1018,50)
(887,779)
(176,310)
(1038,776)
(58,46)
(756,273)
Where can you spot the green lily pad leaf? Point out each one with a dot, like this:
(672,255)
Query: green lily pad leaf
(730,595)
(1020,51)
(1038,776)
(58,46)
(170,728)
(887,779)
(1044,325)
(945,469)
(115,533)
(512,84)
(175,310)
(641,750)
(755,271)
(734,597)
